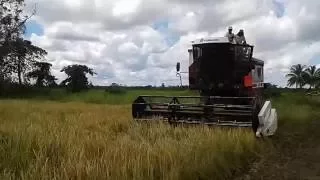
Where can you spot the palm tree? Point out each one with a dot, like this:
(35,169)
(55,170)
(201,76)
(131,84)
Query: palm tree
(296,76)
(312,76)
(317,83)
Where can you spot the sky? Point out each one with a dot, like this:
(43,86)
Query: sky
(139,42)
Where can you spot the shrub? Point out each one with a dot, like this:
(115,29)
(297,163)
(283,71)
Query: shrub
(272,92)
(116,90)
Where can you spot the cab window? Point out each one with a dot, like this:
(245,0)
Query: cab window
(197,53)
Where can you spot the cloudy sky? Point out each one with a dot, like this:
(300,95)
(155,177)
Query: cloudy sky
(138,42)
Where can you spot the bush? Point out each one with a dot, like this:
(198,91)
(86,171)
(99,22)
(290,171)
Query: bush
(272,92)
(116,90)
(8,89)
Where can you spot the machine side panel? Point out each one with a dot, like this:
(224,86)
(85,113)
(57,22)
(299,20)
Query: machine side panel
(194,75)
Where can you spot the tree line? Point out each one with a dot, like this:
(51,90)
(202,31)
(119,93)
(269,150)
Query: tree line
(21,61)
(302,75)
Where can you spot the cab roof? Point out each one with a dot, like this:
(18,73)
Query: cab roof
(210,40)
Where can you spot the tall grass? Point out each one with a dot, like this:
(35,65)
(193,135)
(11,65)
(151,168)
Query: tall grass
(78,140)
(51,140)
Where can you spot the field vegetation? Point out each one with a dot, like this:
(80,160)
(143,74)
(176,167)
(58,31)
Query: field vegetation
(72,130)
(47,139)
(88,139)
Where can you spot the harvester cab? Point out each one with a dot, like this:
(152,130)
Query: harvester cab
(230,82)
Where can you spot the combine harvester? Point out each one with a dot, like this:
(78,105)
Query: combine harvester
(230,82)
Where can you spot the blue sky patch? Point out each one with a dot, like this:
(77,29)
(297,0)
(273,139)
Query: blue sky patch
(172,39)
(279,8)
(162,26)
(33,27)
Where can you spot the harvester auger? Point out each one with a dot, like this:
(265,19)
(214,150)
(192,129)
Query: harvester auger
(230,82)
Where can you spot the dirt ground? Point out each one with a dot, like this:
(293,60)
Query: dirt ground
(293,156)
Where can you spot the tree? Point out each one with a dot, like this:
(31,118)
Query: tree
(42,74)
(270,85)
(14,51)
(23,57)
(312,76)
(77,80)
(296,76)
(10,28)
(12,24)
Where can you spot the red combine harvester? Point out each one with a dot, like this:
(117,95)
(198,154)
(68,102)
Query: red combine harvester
(230,82)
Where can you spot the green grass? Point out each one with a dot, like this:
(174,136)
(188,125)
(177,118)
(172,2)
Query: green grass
(93,137)
(102,97)
(97,96)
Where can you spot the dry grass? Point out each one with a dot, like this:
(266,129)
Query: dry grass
(50,140)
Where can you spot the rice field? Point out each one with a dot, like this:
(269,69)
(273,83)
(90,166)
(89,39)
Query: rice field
(51,140)
(42,139)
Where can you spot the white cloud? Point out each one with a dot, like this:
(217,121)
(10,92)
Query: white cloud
(125,7)
(117,38)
